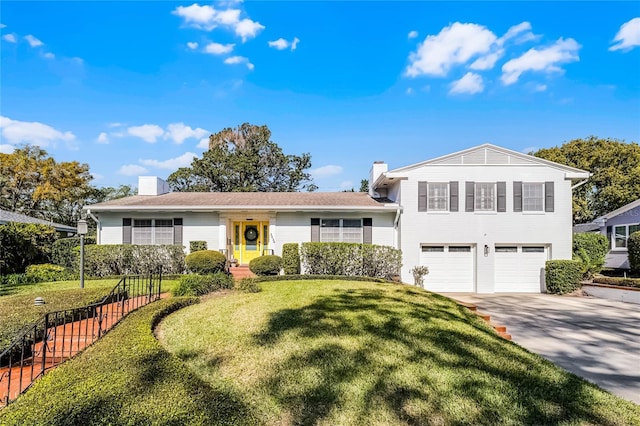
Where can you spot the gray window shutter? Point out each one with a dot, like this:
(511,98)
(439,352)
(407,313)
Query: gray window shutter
(453,196)
(315,230)
(548,197)
(367,228)
(177,231)
(126,231)
(469,196)
(422,196)
(502,196)
(517,196)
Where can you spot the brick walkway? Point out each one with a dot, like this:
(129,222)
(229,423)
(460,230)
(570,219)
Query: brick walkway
(63,342)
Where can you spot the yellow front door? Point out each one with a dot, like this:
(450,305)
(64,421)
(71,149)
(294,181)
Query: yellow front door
(250,240)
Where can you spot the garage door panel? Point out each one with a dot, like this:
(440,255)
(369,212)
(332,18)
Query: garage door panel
(519,269)
(451,271)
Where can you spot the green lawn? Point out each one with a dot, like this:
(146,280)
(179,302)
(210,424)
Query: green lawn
(17,309)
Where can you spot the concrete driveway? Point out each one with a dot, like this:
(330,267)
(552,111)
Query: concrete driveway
(594,338)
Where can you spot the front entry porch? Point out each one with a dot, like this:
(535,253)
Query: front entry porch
(249,239)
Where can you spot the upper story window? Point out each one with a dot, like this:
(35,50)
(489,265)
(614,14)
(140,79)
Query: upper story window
(532,197)
(621,234)
(152,231)
(485,197)
(341,230)
(438,196)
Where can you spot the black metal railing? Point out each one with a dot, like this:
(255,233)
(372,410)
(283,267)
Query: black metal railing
(57,336)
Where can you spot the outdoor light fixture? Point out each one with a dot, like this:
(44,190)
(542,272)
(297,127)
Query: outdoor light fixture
(39,301)
(486,250)
(82,231)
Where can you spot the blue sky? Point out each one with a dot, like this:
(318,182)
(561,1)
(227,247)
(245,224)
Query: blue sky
(133,88)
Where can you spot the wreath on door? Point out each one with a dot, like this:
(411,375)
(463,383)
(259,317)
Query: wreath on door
(251,233)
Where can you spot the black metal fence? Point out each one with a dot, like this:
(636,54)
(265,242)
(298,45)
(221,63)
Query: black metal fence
(57,336)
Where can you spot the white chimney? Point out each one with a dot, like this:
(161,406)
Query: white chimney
(152,185)
(378,168)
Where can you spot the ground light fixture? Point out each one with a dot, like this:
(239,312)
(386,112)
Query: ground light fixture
(82,231)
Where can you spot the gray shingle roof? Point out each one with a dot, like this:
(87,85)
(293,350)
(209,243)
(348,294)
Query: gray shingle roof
(7,217)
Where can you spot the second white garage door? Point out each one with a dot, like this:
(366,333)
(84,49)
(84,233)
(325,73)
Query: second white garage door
(451,267)
(519,269)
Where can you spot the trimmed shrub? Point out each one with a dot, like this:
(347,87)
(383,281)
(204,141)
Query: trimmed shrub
(633,247)
(63,251)
(290,259)
(351,259)
(206,262)
(624,282)
(563,276)
(23,244)
(197,285)
(248,285)
(11,280)
(590,249)
(270,278)
(266,265)
(107,260)
(47,272)
(419,272)
(197,246)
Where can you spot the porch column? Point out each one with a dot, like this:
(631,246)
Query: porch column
(273,241)
(222,233)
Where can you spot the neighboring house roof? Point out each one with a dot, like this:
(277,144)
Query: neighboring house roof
(586,227)
(484,155)
(214,201)
(623,209)
(7,217)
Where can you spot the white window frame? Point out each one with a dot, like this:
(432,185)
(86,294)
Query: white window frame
(434,199)
(154,231)
(624,238)
(525,198)
(341,230)
(478,200)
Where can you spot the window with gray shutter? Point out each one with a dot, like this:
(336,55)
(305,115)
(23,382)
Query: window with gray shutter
(126,231)
(453,196)
(177,231)
(469,196)
(548,197)
(367,228)
(315,230)
(517,196)
(422,196)
(502,196)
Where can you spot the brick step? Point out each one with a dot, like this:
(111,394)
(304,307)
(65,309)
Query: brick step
(485,317)
(500,328)
(505,335)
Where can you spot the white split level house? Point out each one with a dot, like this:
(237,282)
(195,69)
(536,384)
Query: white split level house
(483,220)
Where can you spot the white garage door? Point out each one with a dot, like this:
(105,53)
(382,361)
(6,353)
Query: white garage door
(451,267)
(519,269)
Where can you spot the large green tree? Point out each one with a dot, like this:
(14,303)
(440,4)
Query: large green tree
(244,159)
(615,168)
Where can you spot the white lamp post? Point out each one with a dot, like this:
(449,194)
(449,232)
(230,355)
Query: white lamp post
(82,231)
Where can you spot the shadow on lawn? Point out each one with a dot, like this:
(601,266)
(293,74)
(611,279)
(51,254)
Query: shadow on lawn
(420,360)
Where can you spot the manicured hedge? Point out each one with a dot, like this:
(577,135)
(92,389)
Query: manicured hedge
(290,259)
(633,247)
(321,277)
(624,282)
(197,285)
(351,259)
(563,276)
(47,272)
(206,262)
(266,265)
(65,253)
(590,249)
(126,259)
(197,246)
(24,244)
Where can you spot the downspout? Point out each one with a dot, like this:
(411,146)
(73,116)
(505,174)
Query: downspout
(395,226)
(97,221)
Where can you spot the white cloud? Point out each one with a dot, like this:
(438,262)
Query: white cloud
(470,83)
(179,132)
(518,30)
(521,33)
(132,170)
(282,44)
(412,34)
(218,49)
(540,87)
(628,36)
(11,38)
(234,60)
(173,163)
(33,42)
(146,132)
(103,138)
(455,44)
(545,60)
(16,132)
(48,55)
(115,124)
(247,29)
(326,171)
(203,144)
(6,148)
(487,62)
(202,17)
(193,45)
